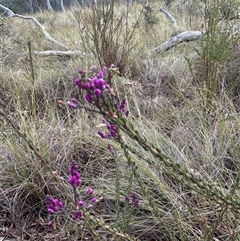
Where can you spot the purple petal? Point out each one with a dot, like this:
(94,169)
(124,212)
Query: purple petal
(88,98)
(90,191)
(78,82)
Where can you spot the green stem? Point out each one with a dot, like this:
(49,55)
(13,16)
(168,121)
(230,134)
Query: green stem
(127,214)
(210,235)
(117,186)
(197,184)
(94,233)
(143,187)
(102,224)
(32,78)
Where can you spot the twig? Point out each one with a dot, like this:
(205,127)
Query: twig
(56,53)
(169,16)
(6,10)
(10,13)
(46,34)
(49,53)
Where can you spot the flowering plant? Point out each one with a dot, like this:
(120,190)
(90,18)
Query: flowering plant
(55,205)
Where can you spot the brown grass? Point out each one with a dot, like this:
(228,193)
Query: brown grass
(166,106)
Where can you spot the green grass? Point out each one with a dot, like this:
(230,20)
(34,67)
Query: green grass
(171,108)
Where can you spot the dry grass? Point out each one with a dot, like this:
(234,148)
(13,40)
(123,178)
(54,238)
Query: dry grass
(166,106)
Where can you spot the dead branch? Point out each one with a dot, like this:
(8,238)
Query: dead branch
(47,53)
(169,16)
(46,34)
(184,36)
(10,13)
(7,11)
(56,53)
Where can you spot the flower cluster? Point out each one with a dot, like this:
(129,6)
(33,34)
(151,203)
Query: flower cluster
(87,201)
(111,133)
(75,177)
(53,204)
(132,199)
(122,108)
(99,92)
(95,87)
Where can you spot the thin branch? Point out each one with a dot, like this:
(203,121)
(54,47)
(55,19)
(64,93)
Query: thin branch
(10,13)
(46,34)
(169,16)
(6,10)
(56,53)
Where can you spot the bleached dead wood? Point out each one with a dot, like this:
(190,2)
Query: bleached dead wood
(48,53)
(56,53)
(169,16)
(7,11)
(178,38)
(10,13)
(46,34)
(184,36)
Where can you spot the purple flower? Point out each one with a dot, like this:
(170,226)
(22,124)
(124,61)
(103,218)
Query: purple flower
(136,202)
(104,69)
(100,75)
(49,223)
(53,204)
(88,98)
(132,199)
(93,200)
(77,214)
(102,135)
(78,182)
(106,87)
(111,133)
(122,108)
(96,89)
(80,203)
(92,87)
(90,191)
(112,130)
(50,211)
(72,105)
(133,195)
(86,86)
(75,177)
(98,82)
(111,148)
(78,82)
(98,93)
(127,199)
(74,100)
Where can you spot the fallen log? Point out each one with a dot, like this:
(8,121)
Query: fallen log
(56,53)
(181,37)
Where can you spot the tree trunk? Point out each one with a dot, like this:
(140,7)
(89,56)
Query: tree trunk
(60,5)
(49,7)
